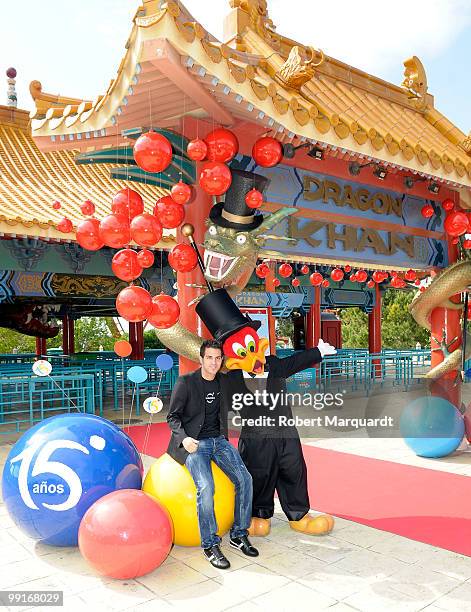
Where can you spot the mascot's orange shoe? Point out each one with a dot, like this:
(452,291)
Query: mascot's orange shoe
(259,527)
(321,524)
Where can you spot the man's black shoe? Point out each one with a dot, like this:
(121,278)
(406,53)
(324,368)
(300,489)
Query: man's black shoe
(216,558)
(243,544)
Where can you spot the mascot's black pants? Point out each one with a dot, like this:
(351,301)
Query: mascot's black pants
(276,463)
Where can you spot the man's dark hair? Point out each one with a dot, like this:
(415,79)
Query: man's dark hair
(210,344)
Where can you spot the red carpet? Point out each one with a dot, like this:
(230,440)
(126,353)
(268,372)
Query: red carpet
(425,505)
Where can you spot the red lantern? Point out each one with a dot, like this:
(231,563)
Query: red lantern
(197,149)
(165,311)
(169,213)
(65,225)
(267,152)
(427,211)
(262,270)
(134,304)
(347,268)
(448,204)
(127,202)
(378,276)
(215,178)
(336,275)
(421,289)
(417,282)
(316,279)
(305,269)
(125,265)
(276,282)
(152,152)
(370,284)
(456,224)
(325,282)
(222,145)
(393,273)
(254,199)
(410,275)
(295,282)
(352,278)
(146,230)
(115,231)
(88,208)
(182,258)
(56,205)
(361,276)
(467,244)
(145,258)
(285,270)
(88,234)
(455,241)
(181,192)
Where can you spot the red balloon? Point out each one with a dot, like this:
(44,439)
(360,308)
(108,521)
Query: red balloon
(316,279)
(181,192)
(267,152)
(152,152)
(448,204)
(65,225)
(336,274)
(325,282)
(88,234)
(125,534)
(56,205)
(254,199)
(305,269)
(285,270)
(215,178)
(170,213)
(456,224)
(276,282)
(410,275)
(115,231)
(145,258)
(146,230)
(122,348)
(361,276)
(222,145)
(467,244)
(427,211)
(134,304)
(295,282)
(197,149)
(88,208)
(262,270)
(126,266)
(127,202)
(347,268)
(183,258)
(370,284)
(165,311)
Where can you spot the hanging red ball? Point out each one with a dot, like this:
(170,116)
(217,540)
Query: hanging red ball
(347,268)
(378,276)
(276,282)
(152,152)
(88,208)
(285,270)
(165,311)
(352,278)
(215,178)
(182,258)
(427,211)
(305,269)
(361,276)
(267,152)
(370,284)
(125,265)
(181,192)
(262,270)
(88,235)
(316,279)
(448,204)
(115,231)
(326,282)
(134,304)
(146,230)
(145,258)
(197,149)
(56,205)
(417,282)
(456,224)
(127,202)
(295,282)
(410,275)
(222,145)
(421,289)
(254,199)
(170,213)
(467,244)
(65,225)
(336,275)
(455,241)
(393,273)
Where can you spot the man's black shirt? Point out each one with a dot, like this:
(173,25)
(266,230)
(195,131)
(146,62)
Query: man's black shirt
(211,426)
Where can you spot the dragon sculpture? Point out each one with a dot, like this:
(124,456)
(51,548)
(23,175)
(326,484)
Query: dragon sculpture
(29,319)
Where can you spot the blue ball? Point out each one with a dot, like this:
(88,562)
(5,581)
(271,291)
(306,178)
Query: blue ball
(432,427)
(137,374)
(164,362)
(60,467)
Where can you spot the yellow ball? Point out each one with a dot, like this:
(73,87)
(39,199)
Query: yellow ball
(172,485)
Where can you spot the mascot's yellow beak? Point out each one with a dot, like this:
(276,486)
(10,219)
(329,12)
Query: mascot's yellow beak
(254,363)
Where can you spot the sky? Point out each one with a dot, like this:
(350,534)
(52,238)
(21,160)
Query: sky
(74,48)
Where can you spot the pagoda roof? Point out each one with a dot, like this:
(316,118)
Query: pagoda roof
(173,67)
(32,180)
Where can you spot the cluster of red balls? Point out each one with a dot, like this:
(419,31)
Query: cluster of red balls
(457,222)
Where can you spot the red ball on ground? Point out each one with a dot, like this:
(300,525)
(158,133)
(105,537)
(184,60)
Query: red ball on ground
(316,279)
(181,192)
(115,231)
(145,258)
(152,152)
(127,202)
(182,258)
(222,145)
(254,199)
(285,270)
(267,152)
(262,270)
(88,208)
(125,534)
(134,304)
(197,149)
(169,213)
(215,178)
(146,230)
(165,311)
(88,235)
(125,265)
(65,225)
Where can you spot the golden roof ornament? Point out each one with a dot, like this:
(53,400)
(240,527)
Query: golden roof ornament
(296,71)
(466,144)
(415,81)
(257,10)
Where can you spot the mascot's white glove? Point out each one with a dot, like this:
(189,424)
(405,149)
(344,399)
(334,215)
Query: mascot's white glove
(325,348)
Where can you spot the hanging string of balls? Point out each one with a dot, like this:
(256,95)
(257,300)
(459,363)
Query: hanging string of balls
(457,222)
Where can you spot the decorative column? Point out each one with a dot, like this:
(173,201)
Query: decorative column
(313,320)
(270,288)
(41,349)
(71,336)
(65,334)
(374,331)
(136,340)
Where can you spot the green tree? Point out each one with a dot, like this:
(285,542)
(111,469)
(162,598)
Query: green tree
(354,328)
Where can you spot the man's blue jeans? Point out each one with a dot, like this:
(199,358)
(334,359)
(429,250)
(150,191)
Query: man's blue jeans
(228,459)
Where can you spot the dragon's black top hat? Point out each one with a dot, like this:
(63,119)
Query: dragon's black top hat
(221,315)
(234,212)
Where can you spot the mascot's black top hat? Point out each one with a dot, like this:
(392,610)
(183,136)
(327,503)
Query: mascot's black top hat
(234,212)
(221,315)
